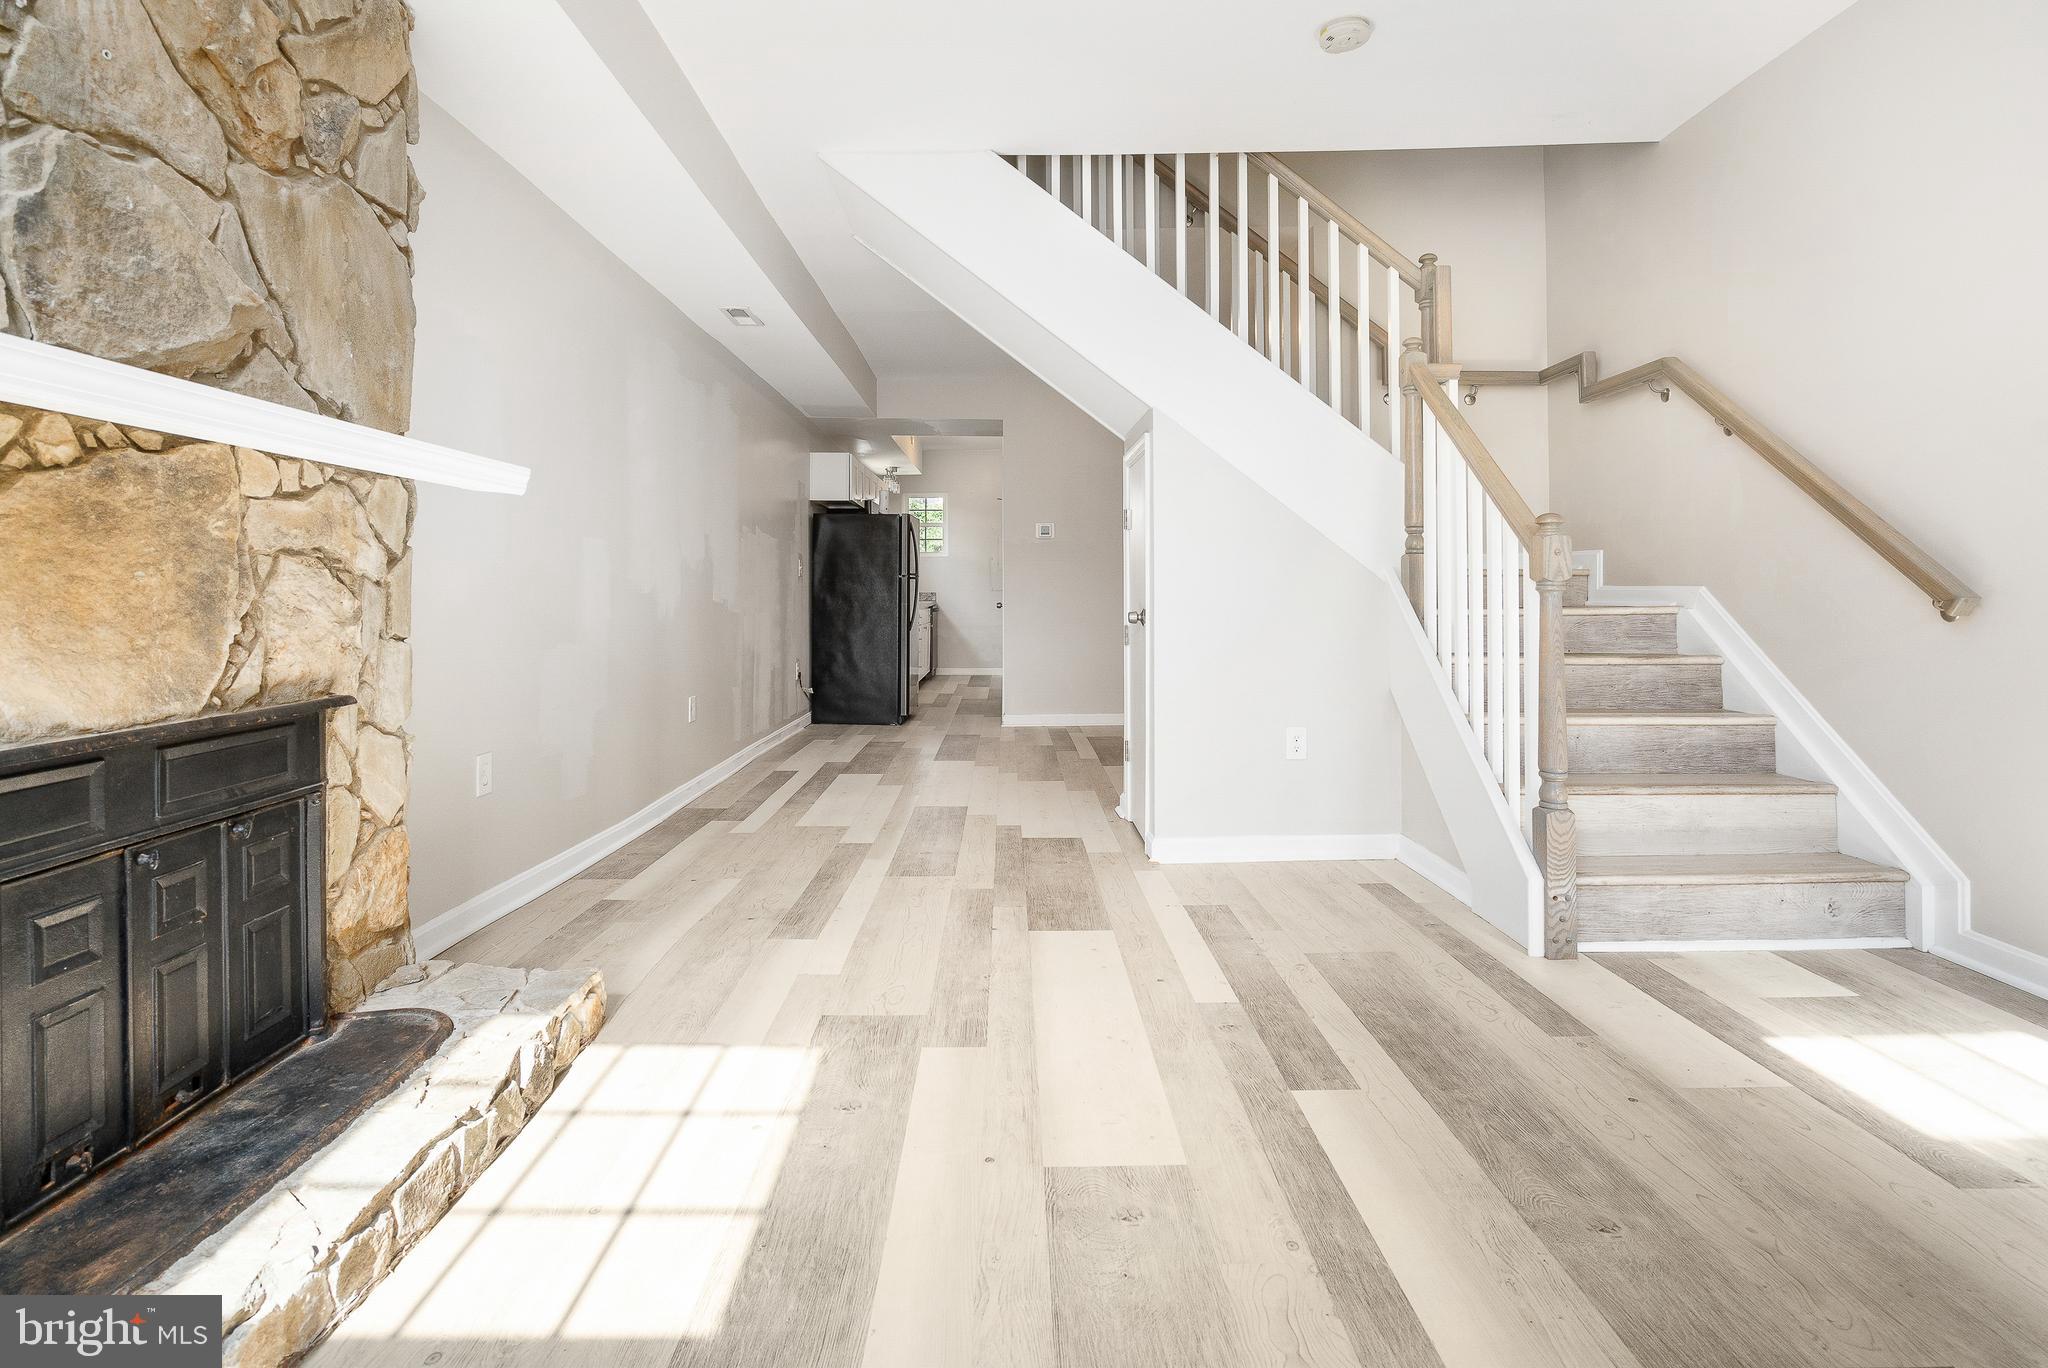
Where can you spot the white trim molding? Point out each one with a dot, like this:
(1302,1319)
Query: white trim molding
(1435,868)
(1272,849)
(436,934)
(1709,947)
(48,377)
(1063,719)
(967,669)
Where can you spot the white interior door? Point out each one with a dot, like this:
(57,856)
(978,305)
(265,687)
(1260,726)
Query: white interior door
(1137,804)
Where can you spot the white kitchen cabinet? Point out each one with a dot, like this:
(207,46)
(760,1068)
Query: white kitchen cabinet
(839,477)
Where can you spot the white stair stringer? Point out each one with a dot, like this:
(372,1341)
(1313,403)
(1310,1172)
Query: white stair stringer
(1121,343)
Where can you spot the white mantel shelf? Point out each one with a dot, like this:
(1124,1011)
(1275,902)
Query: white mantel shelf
(48,377)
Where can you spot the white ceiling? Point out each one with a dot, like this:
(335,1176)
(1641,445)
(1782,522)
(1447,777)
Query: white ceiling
(787,81)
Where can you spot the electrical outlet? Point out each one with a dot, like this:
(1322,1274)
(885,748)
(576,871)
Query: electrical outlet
(799,565)
(1297,743)
(483,774)
(693,707)
(1045,531)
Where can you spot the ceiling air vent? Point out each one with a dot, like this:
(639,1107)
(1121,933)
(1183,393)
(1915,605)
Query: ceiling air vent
(742,318)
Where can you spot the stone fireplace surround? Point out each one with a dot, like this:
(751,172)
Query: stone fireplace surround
(219,190)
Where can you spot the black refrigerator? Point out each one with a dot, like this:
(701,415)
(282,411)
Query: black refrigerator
(863,602)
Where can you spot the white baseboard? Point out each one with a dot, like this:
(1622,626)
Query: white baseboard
(1272,849)
(436,934)
(1063,719)
(968,669)
(1436,869)
(1994,958)
(1707,947)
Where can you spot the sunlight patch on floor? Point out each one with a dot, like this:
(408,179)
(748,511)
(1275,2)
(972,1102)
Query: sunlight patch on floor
(1946,1086)
(624,1210)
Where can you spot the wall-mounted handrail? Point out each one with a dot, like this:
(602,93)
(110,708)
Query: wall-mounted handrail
(1952,598)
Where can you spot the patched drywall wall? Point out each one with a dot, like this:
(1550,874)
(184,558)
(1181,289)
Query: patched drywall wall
(654,559)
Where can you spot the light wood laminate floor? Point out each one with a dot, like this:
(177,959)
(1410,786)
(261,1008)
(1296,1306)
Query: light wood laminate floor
(915,1060)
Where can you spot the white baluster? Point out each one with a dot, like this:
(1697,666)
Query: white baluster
(1532,621)
(1304,298)
(1058,191)
(1180,222)
(1272,266)
(1116,201)
(1212,239)
(1336,322)
(1432,525)
(1361,362)
(1454,525)
(1395,416)
(1086,172)
(1240,264)
(1475,601)
(1511,677)
(1151,183)
(1497,687)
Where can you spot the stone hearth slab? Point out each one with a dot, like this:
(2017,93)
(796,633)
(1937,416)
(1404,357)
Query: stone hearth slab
(134,1220)
(295,1262)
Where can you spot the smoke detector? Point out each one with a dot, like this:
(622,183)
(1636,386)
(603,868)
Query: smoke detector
(1344,35)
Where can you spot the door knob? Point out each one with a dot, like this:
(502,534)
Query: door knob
(1136,617)
(148,859)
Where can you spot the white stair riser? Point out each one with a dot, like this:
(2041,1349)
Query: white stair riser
(1641,632)
(1704,823)
(1620,688)
(1666,748)
(1763,911)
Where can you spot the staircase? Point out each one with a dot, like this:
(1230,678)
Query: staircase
(1597,786)
(1686,829)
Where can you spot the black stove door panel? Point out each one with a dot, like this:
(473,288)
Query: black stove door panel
(61,1030)
(266,935)
(176,920)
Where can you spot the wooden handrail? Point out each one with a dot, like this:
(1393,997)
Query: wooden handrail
(1952,598)
(1553,828)
(1514,509)
(1382,251)
(1198,199)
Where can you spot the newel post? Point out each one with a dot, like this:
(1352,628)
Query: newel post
(1433,302)
(1553,829)
(1411,471)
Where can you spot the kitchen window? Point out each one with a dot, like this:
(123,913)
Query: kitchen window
(929,512)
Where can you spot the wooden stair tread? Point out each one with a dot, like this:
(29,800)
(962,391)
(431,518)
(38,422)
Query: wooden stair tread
(1619,609)
(1636,658)
(1750,782)
(1602,870)
(1635,717)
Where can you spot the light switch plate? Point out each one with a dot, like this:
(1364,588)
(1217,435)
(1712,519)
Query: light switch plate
(693,707)
(483,774)
(1044,531)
